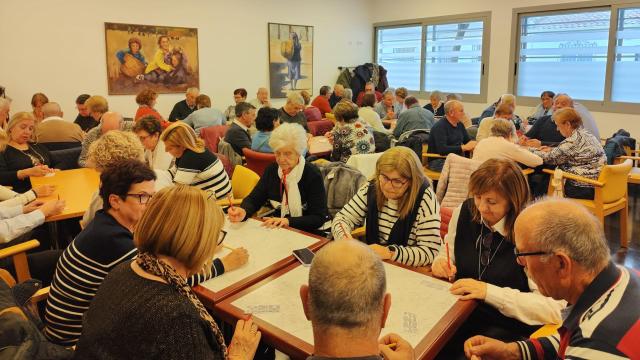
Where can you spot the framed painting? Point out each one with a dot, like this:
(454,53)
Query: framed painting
(161,58)
(290,59)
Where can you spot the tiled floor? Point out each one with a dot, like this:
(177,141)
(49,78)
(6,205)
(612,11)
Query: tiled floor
(631,256)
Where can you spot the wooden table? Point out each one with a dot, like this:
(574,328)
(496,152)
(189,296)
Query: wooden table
(320,146)
(292,342)
(211,292)
(75,187)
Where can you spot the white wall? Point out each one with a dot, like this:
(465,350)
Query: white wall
(501,27)
(57,46)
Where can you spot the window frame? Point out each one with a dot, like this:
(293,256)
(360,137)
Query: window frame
(485,17)
(607,104)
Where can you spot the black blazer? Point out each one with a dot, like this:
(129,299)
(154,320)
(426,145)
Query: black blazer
(312,194)
(238,138)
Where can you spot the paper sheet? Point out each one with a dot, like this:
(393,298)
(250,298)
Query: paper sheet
(418,302)
(265,246)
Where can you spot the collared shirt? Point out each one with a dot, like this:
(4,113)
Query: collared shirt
(602,324)
(52,118)
(413,118)
(205,117)
(237,122)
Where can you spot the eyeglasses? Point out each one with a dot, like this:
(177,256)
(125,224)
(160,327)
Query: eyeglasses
(532,253)
(396,183)
(142,198)
(223,234)
(485,254)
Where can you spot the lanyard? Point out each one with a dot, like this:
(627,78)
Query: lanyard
(285,198)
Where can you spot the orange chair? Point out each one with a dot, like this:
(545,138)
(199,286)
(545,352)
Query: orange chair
(258,161)
(610,194)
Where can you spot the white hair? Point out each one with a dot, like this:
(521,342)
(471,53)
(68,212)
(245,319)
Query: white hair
(289,134)
(193,90)
(294,97)
(347,94)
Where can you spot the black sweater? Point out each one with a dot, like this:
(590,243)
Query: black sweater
(136,318)
(12,160)
(545,130)
(180,111)
(312,194)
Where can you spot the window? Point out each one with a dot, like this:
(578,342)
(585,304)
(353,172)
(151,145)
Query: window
(591,53)
(446,54)
(564,53)
(626,69)
(398,51)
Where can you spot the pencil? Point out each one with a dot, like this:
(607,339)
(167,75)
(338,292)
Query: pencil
(227,247)
(392,346)
(230,201)
(448,257)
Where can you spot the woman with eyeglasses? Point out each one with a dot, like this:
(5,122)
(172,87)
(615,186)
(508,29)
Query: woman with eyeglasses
(292,187)
(400,209)
(195,165)
(480,258)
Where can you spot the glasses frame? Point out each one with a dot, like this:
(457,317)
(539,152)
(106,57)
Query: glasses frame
(529,253)
(385,179)
(139,196)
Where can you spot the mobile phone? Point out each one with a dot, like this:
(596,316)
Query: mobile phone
(305,256)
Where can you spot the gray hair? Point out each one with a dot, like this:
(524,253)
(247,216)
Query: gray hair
(192,90)
(349,292)
(436,94)
(389,91)
(453,96)
(347,94)
(503,128)
(508,99)
(294,97)
(289,134)
(449,105)
(570,227)
(565,95)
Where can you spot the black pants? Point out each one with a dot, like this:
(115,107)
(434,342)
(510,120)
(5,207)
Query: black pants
(578,192)
(436,164)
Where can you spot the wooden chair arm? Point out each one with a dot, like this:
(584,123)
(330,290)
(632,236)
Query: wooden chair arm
(527,171)
(19,248)
(567,175)
(432,155)
(358,232)
(625,157)
(41,294)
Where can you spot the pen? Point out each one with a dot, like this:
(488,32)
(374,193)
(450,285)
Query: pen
(230,201)
(392,346)
(448,257)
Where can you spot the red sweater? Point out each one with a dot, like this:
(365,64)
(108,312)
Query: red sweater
(322,103)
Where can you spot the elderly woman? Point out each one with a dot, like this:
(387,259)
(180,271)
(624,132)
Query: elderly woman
(400,209)
(370,116)
(544,108)
(146,99)
(481,259)
(37,100)
(19,158)
(501,145)
(292,187)
(97,106)
(388,108)
(292,111)
(148,130)
(349,136)
(173,243)
(580,153)
(266,121)
(195,165)
(239,95)
(435,105)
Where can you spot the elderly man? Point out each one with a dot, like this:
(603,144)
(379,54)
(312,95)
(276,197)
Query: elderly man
(5,108)
(388,108)
(448,135)
(84,118)
(563,249)
(261,100)
(322,101)
(336,96)
(414,118)
(109,121)
(369,88)
(292,111)
(184,108)
(56,132)
(237,134)
(347,319)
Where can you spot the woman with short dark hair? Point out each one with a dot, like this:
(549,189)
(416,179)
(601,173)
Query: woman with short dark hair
(350,136)
(148,130)
(239,95)
(266,121)
(146,99)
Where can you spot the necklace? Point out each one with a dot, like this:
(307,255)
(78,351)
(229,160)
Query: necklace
(36,159)
(483,268)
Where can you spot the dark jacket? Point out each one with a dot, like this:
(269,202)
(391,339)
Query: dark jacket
(181,110)
(546,131)
(238,138)
(12,160)
(312,194)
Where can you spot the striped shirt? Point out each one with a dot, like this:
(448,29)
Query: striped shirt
(424,241)
(84,264)
(202,170)
(603,324)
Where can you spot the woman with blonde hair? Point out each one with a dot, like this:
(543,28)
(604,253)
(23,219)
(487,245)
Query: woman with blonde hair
(400,209)
(195,165)
(481,259)
(19,157)
(152,291)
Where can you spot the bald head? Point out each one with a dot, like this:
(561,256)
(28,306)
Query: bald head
(51,109)
(562,101)
(556,224)
(110,121)
(347,286)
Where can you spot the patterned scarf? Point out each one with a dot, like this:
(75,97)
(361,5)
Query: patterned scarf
(151,264)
